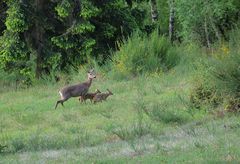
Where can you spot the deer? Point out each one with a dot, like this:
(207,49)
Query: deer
(102,96)
(89,96)
(76,90)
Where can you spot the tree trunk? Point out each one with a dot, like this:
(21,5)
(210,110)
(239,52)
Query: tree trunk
(171,20)
(206,32)
(217,34)
(38,34)
(3,14)
(154,12)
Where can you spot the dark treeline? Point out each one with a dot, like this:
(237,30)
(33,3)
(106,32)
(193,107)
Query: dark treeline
(38,37)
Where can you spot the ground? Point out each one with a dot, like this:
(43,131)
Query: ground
(147,120)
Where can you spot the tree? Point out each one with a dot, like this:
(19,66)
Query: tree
(3,9)
(206,21)
(171,20)
(154,11)
(42,36)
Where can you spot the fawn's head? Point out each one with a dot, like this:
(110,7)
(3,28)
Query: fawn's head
(110,93)
(97,91)
(91,74)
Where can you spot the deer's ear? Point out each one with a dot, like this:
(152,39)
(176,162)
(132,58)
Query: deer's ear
(91,70)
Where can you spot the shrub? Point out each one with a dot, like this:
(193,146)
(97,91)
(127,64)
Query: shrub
(218,77)
(141,54)
(227,73)
(202,95)
(227,68)
(232,104)
(2,148)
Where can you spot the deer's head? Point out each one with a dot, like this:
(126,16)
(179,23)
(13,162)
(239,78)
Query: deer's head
(110,93)
(97,91)
(91,74)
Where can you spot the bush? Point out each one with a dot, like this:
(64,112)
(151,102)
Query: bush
(140,54)
(203,94)
(227,72)
(227,75)
(218,76)
(227,66)
(2,148)
(232,104)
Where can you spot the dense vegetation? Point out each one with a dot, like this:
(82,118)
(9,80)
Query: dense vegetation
(40,37)
(173,66)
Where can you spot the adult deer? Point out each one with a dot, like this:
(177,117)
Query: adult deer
(76,90)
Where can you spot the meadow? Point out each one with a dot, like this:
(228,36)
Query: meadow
(148,119)
(173,68)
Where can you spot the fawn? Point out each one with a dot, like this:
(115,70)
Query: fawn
(89,96)
(102,96)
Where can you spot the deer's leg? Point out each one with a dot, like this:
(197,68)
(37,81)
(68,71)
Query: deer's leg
(60,101)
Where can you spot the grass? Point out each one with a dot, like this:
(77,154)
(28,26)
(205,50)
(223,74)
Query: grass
(197,142)
(149,119)
(28,121)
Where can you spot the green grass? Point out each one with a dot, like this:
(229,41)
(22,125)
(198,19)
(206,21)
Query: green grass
(147,120)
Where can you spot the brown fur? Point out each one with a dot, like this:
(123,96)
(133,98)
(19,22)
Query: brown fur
(89,96)
(75,90)
(102,96)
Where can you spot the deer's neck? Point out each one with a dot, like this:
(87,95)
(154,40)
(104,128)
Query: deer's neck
(89,82)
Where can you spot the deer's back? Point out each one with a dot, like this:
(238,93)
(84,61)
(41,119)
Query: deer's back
(89,95)
(75,90)
(100,96)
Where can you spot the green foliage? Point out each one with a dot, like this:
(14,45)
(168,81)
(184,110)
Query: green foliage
(210,18)
(15,57)
(89,10)
(203,95)
(68,31)
(16,20)
(63,9)
(94,28)
(82,28)
(2,148)
(14,54)
(228,73)
(144,54)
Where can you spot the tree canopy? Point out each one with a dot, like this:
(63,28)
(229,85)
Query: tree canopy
(40,36)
